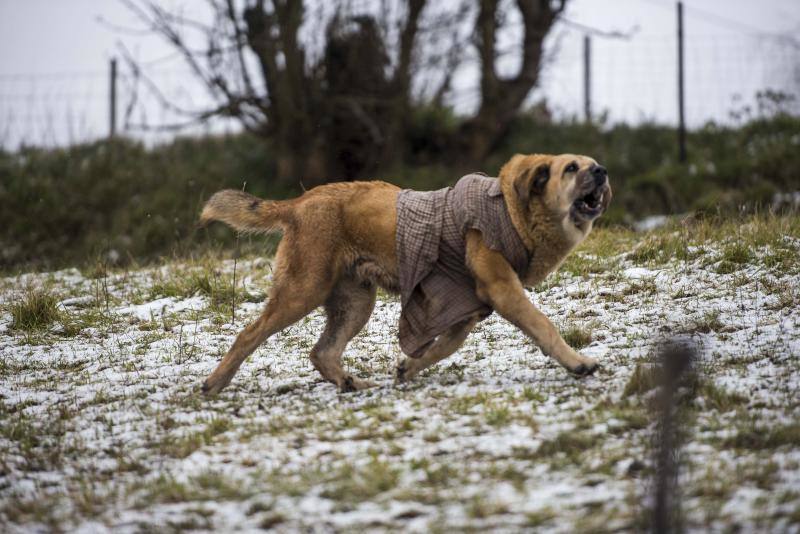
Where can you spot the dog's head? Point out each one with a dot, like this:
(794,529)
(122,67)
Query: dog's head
(567,187)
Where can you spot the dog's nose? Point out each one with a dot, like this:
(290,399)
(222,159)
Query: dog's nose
(600,175)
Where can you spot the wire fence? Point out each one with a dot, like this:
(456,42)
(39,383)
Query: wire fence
(633,80)
(636,80)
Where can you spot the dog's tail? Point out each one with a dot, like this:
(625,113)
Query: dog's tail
(244,212)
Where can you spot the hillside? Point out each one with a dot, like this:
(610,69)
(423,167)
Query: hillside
(102,426)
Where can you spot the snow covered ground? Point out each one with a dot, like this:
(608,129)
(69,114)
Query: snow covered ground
(102,427)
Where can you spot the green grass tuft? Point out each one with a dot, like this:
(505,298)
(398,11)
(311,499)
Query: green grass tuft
(35,311)
(498,414)
(661,248)
(577,336)
(571,443)
(709,322)
(756,437)
(733,257)
(720,399)
(357,484)
(204,281)
(206,486)
(643,379)
(645,286)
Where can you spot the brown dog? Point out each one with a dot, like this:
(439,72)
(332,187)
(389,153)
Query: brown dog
(339,245)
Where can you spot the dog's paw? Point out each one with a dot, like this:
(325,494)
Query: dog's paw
(207,390)
(211,388)
(585,369)
(400,373)
(406,371)
(351,383)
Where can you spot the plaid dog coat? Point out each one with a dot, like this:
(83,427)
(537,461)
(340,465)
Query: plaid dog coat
(436,289)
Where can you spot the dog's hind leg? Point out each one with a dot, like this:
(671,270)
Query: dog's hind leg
(348,309)
(300,287)
(279,314)
(446,344)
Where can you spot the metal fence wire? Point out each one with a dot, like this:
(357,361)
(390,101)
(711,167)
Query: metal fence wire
(630,80)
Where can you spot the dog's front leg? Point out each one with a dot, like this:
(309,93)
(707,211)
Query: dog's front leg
(500,287)
(446,344)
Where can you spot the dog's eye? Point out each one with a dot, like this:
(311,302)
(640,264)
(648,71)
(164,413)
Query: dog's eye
(572,167)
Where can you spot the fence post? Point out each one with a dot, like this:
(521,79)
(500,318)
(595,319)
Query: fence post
(681,117)
(676,368)
(587,77)
(112,112)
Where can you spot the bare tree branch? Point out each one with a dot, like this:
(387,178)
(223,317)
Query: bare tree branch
(303,98)
(240,44)
(502,98)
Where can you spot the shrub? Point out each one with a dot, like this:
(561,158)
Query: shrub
(121,201)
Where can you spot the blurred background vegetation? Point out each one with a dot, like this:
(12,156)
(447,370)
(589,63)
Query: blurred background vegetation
(119,201)
(322,92)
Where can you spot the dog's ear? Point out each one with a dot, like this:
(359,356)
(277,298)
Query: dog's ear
(532,179)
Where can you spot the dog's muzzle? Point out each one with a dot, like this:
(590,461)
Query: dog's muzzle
(593,195)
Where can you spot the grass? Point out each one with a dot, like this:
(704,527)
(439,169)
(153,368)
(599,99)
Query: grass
(663,247)
(117,416)
(37,510)
(122,202)
(540,518)
(755,436)
(465,404)
(645,286)
(497,414)
(202,279)
(643,379)
(718,398)
(577,336)
(629,418)
(647,377)
(35,311)
(440,475)
(688,240)
(41,445)
(584,265)
(571,444)
(356,484)
(782,259)
(181,446)
(480,507)
(733,257)
(206,486)
(709,322)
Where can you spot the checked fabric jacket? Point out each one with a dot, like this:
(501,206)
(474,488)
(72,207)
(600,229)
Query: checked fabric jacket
(436,289)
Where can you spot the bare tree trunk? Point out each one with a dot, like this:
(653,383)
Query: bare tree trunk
(339,117)
(401,82)
(290,92)
(501,98)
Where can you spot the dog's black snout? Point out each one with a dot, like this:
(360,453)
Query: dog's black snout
(600,174)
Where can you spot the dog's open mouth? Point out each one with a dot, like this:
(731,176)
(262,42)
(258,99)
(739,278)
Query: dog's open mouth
(589,205)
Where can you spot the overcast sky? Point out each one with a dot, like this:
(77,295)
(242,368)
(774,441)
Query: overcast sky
(54,60)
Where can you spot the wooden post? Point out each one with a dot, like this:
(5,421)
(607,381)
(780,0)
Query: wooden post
(681,115)
(587,78)
(112,112)
(675,369)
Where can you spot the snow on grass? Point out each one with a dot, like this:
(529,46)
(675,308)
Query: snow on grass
(102,427)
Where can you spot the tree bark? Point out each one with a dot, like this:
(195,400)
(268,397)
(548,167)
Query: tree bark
(401,82)
(501,98)
(290,91)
